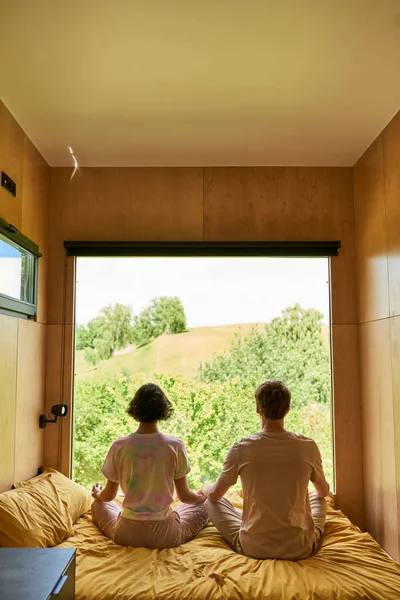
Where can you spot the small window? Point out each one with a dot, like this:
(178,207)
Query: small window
(18,273)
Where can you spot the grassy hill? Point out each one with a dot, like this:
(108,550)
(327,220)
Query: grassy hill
(179,353)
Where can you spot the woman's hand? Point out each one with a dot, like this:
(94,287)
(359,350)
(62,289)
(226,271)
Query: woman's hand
(185,494)
(201,497)
(205,490)
(96,491)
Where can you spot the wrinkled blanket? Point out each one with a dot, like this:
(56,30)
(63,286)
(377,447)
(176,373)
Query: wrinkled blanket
(349,565)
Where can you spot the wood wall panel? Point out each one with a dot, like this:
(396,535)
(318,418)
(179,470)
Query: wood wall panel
(11,161)
(377,218)
(347,422)
(8,391)
(395,349)
(129,204)
(29,440)
(326,196)
(23,343)
(54,393)
(371,246)
(242,204)
(275,203)
(57,266)
(343,283)
(391,154)
(59,385)
(378,434)
(67,423)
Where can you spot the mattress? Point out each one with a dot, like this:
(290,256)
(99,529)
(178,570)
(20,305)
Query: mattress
(349,565)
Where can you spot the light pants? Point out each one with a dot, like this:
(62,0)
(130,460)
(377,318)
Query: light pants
(184,523)
(228,520)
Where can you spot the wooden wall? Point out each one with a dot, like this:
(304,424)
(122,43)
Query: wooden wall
(23,343)
(218,204)
(377,218)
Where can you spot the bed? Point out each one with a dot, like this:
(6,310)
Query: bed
(349,565)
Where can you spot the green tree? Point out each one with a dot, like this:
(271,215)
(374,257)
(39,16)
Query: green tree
(143,330)
(82,337)
(163,315)
(290,348)
(118,319)
(168,315)
(111,330)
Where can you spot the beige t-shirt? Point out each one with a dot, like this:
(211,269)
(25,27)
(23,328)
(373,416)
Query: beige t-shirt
(275,469)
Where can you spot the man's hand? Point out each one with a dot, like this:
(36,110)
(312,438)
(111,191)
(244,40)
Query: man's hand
(96,491)
(215,491)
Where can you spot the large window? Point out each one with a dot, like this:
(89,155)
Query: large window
(208,330)
(18,273)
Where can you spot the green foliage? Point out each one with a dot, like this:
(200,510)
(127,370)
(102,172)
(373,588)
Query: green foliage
(290,348)
(118,319)
(82,337)
(100,418)
(163,315)
(111,330)
(143,330)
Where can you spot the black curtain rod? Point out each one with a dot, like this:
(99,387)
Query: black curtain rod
(202,249)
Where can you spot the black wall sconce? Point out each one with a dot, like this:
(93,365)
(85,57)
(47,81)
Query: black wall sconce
(58,410)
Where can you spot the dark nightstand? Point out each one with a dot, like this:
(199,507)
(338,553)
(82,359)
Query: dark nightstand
(37,573)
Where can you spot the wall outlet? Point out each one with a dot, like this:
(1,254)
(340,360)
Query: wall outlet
(8,184)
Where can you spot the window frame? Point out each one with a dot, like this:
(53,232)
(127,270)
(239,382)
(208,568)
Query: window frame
(9,305)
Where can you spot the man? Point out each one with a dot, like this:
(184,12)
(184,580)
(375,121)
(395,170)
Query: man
(280,519)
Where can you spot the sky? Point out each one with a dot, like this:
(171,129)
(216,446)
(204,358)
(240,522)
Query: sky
(214,291)
(10,270)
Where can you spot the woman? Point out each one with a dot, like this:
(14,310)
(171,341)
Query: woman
(147,464)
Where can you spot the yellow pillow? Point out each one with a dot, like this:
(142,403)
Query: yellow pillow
(75,498)
(33,517)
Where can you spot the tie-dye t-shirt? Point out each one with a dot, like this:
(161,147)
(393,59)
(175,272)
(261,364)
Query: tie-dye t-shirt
(145,466)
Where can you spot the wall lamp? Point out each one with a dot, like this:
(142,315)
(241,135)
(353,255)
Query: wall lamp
(58,410)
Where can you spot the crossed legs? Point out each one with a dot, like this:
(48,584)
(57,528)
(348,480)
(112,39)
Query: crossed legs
(228,519)
(183,524)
